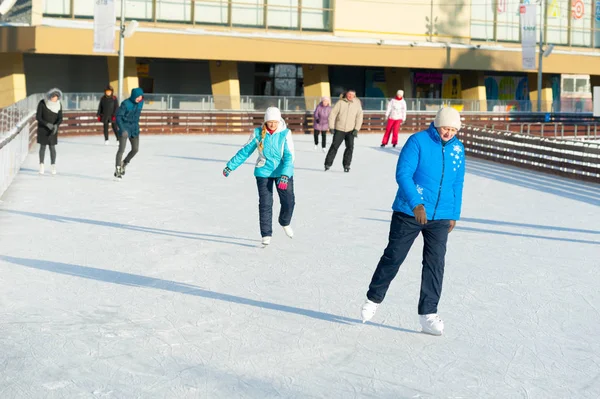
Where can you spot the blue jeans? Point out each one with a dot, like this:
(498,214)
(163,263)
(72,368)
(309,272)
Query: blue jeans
(265,204)
(404,229)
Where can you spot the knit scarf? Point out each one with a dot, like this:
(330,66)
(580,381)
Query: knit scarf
(53,106)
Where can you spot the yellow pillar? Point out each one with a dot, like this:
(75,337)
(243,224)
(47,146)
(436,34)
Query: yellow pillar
(130,78)
(398,79)
(546,92)
(225,84)
(473,90)
(12,79)
(316,84)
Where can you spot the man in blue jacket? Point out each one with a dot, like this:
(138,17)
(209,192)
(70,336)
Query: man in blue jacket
(430,176)
(128,127)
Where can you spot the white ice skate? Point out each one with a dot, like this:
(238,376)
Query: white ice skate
(53,169)
(323,149)
(288,231)
(316,147)
(432,324)
(106,142)
(368,310)
(266,240)
(41,169)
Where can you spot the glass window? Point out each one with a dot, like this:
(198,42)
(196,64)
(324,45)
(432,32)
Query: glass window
(568,85)
(57,7)
(557,22)
(212,12)
(248,13)
(581,22)
(508,20)
(482,19)
(316,15)
(135,9)
(84,8)
(174,10)
(581,85)
(282,14)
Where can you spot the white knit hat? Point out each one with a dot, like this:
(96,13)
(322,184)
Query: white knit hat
(273,114)
(447,117)
(400,93)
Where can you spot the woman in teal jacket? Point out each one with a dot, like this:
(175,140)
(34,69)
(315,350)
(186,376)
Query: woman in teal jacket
(430,176)
(275,165)
(128,127)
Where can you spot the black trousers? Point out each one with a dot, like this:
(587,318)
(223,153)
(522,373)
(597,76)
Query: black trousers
(403,231)
(114,129)
(338,138)
(52,153)
(265,204)
(323,134)
(135,146)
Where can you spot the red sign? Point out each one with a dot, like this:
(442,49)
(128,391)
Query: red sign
(578,9)
(522,9)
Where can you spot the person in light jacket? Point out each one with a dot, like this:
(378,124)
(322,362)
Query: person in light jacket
(274,166)
(321,125)
(49,116)
(430,175)
(395,116)
(345,121)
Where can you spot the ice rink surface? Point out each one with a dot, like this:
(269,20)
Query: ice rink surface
(157,286)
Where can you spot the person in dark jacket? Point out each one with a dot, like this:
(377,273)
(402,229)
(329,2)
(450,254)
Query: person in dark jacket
(321,125)
(430,176)
(107,112)
(49,116)
(128,127)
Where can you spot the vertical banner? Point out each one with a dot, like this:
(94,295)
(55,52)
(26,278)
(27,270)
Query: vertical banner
(528,29)
(104,26)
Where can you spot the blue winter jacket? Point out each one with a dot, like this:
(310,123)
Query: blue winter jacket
(276,159)
(431,173)
(128,115)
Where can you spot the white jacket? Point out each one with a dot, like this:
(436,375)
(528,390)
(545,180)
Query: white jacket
(396,109)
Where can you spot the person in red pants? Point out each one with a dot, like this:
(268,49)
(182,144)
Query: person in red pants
(395,115)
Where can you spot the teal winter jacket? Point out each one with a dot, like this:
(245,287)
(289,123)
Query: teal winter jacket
(128,115)
(276,158)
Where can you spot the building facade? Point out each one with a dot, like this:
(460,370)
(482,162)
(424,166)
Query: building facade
(460,49)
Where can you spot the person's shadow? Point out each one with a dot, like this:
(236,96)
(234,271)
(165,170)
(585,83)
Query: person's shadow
(134,280)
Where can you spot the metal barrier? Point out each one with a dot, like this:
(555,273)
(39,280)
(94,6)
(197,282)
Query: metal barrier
(14,148)
(569,158)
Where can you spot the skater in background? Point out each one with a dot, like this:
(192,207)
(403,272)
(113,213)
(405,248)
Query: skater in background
(275,166)
(107,112)
(128,127)
(345,121)
(321,125)
(430,175)
(395,116)
(49,116)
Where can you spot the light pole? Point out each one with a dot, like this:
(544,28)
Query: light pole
(540,58)
(121,50)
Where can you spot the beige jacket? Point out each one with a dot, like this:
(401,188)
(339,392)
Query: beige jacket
(346,116)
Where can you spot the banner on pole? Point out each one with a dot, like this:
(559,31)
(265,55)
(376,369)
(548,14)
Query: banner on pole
(528,14)
(104,26)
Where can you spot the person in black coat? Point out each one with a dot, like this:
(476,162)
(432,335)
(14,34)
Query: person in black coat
(107,112)
(49,117)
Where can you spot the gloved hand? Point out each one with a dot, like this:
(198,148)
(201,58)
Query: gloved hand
(99,118)
(283,183)
(50,126)
(420,214)
(114,118)
(54,130)
(355,133)
(452,226)
(226,171)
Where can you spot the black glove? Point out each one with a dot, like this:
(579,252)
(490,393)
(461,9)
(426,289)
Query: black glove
(50,126)
(355,133)
(54,130)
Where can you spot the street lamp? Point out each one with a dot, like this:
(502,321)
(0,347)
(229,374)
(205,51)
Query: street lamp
(542,54)
(124,31)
